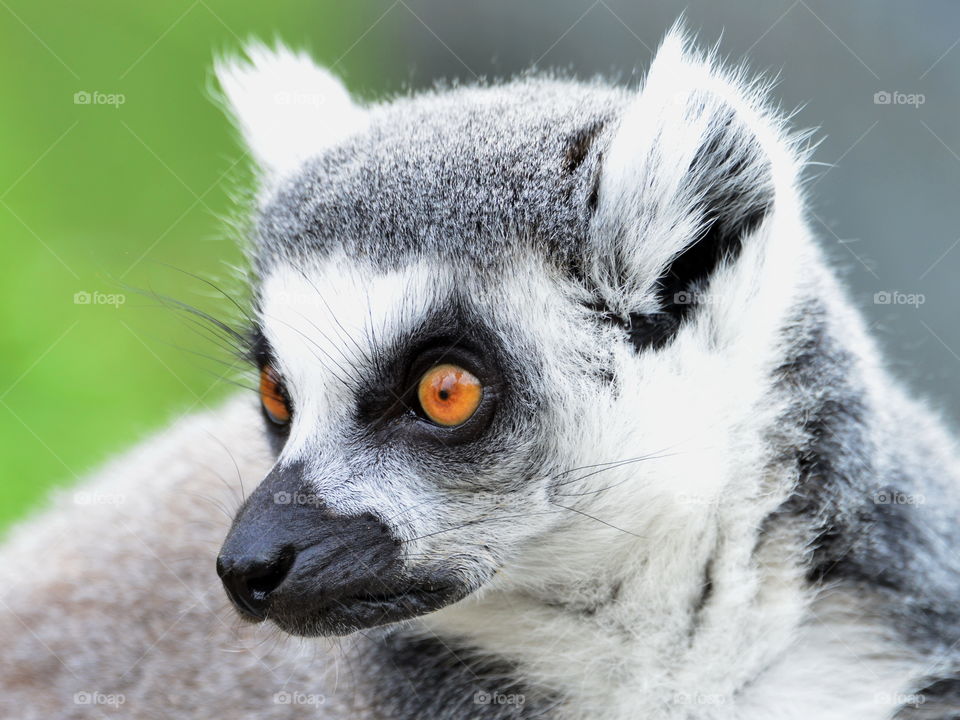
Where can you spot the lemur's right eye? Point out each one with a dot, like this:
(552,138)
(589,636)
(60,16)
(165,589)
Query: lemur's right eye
(272,396)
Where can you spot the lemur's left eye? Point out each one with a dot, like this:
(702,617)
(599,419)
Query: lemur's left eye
(449,394)
(272,396)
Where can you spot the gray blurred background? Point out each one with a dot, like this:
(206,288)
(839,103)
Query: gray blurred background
(887,210)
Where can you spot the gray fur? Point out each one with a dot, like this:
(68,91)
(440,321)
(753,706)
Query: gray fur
(470,172)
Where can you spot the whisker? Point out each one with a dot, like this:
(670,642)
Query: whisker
(479,521)
(611,466)
(236,465)
(209,283)
(363,353)
(323,364)
(602,522)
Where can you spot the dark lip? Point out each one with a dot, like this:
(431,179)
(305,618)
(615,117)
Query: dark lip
(398,597)
(246,612)
(338,617)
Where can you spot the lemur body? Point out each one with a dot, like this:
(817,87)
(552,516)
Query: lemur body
(690,489)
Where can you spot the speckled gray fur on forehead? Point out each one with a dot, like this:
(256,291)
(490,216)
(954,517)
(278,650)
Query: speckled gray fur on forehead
(470,172)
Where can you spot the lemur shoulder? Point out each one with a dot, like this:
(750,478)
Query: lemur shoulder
(561,414)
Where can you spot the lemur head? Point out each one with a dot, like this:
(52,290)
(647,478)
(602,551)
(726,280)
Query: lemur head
(483,314)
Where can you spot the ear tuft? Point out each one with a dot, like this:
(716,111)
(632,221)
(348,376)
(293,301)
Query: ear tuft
(286,107)
(691,173)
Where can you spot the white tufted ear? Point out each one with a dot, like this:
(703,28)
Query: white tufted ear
(694,167)
(287,108)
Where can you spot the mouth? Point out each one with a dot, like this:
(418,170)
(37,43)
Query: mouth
(410,598)
(338,616)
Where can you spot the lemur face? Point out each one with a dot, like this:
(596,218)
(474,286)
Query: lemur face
(417,425)
(463,299)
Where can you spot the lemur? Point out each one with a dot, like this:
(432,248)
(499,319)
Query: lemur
(562,414)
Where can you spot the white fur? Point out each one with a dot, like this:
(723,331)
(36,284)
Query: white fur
(645,183)
(287,108)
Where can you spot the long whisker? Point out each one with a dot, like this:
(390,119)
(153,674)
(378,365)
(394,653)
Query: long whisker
(611,466)
(323,364)
(479,521)
(236,465)
(233,301)
(362,353)
(599,520)
(350,361)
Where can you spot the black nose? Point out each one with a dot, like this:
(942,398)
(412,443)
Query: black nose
(249,579)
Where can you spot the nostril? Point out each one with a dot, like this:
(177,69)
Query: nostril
(266,578)
(250,580)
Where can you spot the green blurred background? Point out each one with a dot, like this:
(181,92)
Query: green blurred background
(98,197)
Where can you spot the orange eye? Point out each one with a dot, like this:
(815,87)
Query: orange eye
(272,397)
(449,395)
